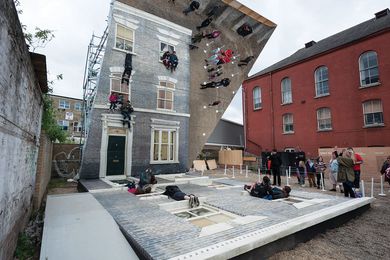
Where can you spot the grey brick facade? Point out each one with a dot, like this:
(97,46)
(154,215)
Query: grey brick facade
(149,31)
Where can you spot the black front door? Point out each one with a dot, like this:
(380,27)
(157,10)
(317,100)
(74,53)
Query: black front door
(116,155)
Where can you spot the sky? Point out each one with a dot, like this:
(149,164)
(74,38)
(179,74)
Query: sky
(298,22)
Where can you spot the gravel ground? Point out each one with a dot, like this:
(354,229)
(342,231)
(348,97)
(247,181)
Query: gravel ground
(364,237)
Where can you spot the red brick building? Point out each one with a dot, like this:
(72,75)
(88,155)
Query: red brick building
(333,92)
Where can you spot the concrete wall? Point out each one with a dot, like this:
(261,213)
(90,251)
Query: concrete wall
(264,126)
(20,118)
(43,169)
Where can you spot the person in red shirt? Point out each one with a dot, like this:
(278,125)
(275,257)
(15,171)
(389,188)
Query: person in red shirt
(358,160)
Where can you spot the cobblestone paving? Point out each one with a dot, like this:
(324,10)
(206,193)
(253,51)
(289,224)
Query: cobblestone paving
(162,235)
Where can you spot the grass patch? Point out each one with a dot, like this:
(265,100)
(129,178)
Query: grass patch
(57,183)
(25,247)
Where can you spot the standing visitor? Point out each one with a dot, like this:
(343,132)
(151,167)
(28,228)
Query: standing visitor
(346,174)
(311,170)
(276,162)
(358,160)
(302,171)
(320,170)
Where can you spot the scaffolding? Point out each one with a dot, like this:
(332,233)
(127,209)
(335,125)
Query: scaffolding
(93,64)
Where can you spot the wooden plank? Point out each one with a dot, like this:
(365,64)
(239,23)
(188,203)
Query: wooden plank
(212,164)
(199,165)
(250,159)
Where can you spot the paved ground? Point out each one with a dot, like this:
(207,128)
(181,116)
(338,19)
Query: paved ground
(146,224)
(365,237)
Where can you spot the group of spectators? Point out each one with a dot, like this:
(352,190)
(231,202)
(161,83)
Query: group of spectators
(125,107)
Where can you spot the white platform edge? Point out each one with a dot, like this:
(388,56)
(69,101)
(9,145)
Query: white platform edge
(245,243)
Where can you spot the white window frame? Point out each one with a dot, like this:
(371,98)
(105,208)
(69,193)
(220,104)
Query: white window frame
(289,150)
(320,81)
(161,52)
(370,67)
(62,124)
(286,118)
(63,104)
(324,114)
(160,130)
(257,104)
(77,126)
(78,106)
(114,76)
(166,89)
(365,113)
(286,90)
(116,36)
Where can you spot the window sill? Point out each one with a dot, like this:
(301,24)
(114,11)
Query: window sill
(324,130)
(120,50)
(164,162)
(257,109)
(166,110)
(323,95)
(370,85)
(374,126)
(289,133)
(284,104)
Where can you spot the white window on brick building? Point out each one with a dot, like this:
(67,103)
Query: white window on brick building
(368,67)
(321,81)
(373,113)
(77,127)
(288,124)
(116,85)
(324,119)
(64,125)
(286,91)
(64,104)
(164,145)
(77,106)
(165,95)
(257,98)
(124,39)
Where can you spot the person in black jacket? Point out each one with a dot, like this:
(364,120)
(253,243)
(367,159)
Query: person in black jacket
(276,162)
(193,6)
(172,191)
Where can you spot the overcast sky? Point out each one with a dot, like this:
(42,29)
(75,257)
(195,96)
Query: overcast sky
(299,21)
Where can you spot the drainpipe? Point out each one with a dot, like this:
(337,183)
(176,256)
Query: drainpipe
(244,111)
(272,113)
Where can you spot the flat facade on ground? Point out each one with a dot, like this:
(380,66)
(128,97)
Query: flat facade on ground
(331,93)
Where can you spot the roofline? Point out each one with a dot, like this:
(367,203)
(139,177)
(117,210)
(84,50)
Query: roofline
(249,12)
(65,97)
(318,54)
(229,121)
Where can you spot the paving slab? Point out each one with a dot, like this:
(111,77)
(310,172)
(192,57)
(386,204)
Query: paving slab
(78,227)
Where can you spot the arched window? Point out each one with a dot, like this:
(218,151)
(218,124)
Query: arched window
(321,81)
(324,119)
(368,67)
(256,98)
(373,112)
(288,123)
(286,91)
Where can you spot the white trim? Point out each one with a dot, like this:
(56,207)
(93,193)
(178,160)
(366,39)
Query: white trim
(116,69)
(136,12)
(115,120)
(173,99)
(168,33)
(167,41)
(145,110)
(120,50)
(167,78)
(164,122)
(128,22)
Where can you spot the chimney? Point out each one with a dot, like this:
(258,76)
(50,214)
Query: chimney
(382,13)
(309,44)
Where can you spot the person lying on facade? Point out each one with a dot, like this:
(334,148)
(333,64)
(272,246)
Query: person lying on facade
(265,190)
(145,184)
(126,109)
(172,191)
(214,84)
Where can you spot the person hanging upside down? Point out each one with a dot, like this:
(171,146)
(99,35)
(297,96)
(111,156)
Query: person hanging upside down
(212,84)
